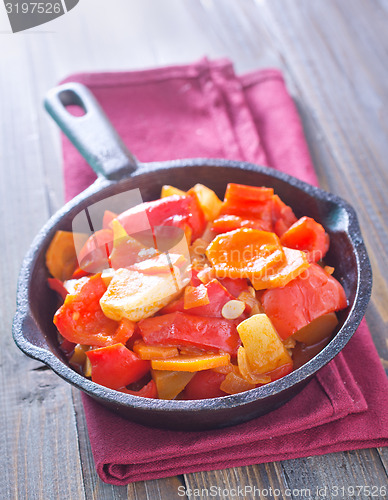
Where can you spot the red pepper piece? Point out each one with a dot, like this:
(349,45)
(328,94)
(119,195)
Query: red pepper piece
(249,202)
(115,366)
(310,295)
(148,391)
(57,286)
(182,329)
(173,210)
(235,286)
(308,235)
(79,273)
(205,384)
(282,216)
(218,296)
(94,255)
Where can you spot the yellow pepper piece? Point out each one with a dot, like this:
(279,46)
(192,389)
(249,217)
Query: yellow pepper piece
(61,257)
(119,233)
(264,349)
(169,383)
(319,329)
(233,383)
(226,369)
(191,363)
(170,190)
(79,361)
(246,371)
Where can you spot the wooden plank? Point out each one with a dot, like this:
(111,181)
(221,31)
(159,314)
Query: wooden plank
(228,33)
(329,473)
(383,454)
(97,489)
(48,63)
(344,126)
(330,123)
(261,481)
(331,59)
(38,439)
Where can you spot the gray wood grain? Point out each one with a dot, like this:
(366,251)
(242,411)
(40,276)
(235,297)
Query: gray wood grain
(38,436)
(333,54)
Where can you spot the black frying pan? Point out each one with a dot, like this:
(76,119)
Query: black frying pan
(118,171)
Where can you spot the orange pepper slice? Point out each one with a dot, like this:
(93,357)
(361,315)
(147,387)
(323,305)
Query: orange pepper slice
(245,253)
(195,296)
(154,351)
(296,263)
(191,363)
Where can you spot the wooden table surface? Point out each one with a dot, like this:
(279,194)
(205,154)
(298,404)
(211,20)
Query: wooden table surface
(334,56)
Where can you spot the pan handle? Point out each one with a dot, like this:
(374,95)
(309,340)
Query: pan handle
(92,133)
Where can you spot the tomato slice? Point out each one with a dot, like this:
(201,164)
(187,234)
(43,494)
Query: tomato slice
(115,366)
(305,298)
(80,319)
(124,331)
(182,329)
(308,235)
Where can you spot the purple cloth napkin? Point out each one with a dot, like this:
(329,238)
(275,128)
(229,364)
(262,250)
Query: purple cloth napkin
(205,110)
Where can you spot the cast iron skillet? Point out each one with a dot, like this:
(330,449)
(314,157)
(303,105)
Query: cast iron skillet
(118,171)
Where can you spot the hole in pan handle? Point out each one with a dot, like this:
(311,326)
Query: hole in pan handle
(92,133)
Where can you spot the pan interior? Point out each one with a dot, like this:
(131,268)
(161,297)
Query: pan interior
(43,302)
